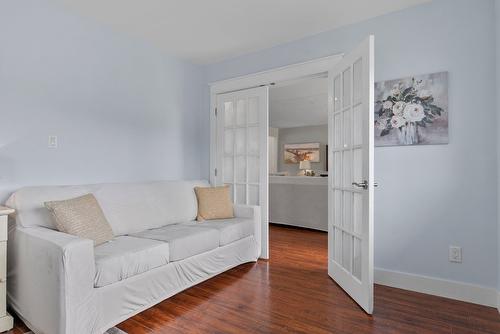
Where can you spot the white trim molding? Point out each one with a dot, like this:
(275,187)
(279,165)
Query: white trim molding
(466,292)
(279,74)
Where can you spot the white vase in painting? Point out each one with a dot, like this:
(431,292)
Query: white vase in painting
(408,134)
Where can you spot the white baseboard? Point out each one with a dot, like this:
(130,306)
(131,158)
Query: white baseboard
(439,287)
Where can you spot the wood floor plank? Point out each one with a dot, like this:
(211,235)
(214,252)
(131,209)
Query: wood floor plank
(292,293)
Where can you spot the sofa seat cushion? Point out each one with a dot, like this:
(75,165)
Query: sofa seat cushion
(183,241)
(126,256)
(230,230)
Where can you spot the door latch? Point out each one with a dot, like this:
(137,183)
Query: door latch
(364,184)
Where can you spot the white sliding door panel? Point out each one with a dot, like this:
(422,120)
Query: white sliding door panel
(350,190)
(242,150)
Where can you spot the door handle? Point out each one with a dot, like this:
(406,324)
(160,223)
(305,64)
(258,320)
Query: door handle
(364,184)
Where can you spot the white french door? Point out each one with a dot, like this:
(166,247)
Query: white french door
(351,184)
(242,150)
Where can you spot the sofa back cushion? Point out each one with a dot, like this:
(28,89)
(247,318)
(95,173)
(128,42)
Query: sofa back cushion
(128,207)
(29,203)
(132,208)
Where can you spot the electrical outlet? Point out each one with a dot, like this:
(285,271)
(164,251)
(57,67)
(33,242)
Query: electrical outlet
(455,254)
(52,142)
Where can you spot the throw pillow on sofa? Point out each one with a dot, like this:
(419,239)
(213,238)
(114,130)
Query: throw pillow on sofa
(214,203)
(81,216)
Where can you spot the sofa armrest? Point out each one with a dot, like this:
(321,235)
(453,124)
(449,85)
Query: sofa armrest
(252,212)
(51,279)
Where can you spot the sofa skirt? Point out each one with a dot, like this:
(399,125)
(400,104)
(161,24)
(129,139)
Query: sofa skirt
(124,299)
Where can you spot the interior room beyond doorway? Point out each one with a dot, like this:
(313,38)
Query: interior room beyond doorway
(298,159)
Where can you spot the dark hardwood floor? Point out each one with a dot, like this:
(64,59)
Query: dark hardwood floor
(292,293)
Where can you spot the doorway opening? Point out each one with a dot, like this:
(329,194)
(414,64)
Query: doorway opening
(298,153)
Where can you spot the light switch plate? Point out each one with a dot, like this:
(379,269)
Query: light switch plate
(52,142)
(455,254)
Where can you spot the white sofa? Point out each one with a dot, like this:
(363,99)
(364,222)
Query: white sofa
(59,283)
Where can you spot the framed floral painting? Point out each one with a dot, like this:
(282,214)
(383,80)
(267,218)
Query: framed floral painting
(412,111)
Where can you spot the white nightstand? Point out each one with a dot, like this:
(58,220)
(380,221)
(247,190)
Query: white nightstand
(6,321)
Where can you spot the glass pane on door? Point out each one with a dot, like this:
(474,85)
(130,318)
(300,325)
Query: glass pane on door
(253,110)
(241,113)
(241,154)
(253,140)
(241,194)
(229,113)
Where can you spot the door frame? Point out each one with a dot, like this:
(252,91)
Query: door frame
(279,74)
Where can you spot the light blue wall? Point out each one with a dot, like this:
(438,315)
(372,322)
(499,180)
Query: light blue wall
(122,110)
(430,196)
(125,112)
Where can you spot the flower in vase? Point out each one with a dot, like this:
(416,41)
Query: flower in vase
(388,105)
(414,112)
(397,121)
(398,108)
(424,94)
(419,84)
(396,90)
(382,123)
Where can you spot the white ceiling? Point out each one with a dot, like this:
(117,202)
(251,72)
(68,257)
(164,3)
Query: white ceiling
(302,103)
(204,31)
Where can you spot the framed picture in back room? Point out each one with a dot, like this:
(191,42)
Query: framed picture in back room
(295,153)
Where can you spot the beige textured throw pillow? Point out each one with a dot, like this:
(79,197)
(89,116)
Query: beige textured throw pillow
(81,216)
(214,203)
